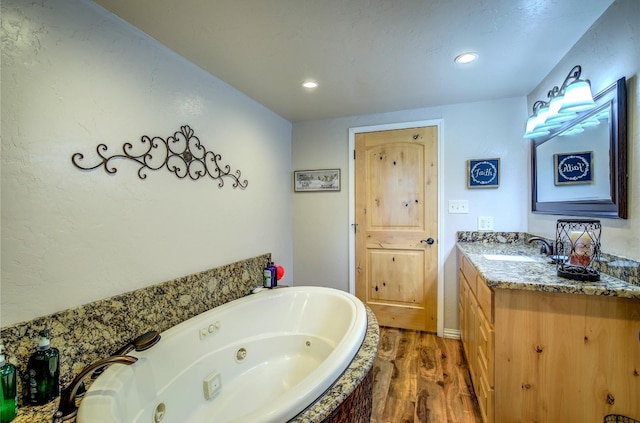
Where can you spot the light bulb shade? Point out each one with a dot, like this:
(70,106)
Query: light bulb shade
(589,123)
(536,133)
(573,131)
(577,97)
(555,116)
(542,121)
(532,131)
(542,117)
(555,103)
(604,114)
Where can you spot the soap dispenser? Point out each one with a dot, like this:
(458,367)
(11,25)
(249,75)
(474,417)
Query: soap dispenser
(44,372)
(8,390)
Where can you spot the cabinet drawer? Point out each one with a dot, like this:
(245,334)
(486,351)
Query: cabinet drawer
(485,397)
(485,349)
(485,298)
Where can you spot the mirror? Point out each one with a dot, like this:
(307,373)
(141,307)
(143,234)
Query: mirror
(580,169)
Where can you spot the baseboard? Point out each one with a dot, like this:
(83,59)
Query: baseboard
(451,333)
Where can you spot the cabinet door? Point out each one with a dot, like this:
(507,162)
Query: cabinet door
(485,349)
(485,399)
(472,326)
(485,298)
(462,295)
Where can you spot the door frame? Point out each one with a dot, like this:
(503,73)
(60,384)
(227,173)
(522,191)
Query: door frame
(439,123)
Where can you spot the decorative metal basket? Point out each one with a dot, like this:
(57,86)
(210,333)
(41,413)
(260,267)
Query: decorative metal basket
(578,249)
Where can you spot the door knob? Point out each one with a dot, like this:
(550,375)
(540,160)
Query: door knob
(428,241)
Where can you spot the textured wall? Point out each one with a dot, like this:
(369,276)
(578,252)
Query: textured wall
(74,76)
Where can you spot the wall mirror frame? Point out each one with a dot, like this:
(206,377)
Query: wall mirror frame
(592,198)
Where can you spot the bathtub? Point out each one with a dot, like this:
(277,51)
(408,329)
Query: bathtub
(262,358)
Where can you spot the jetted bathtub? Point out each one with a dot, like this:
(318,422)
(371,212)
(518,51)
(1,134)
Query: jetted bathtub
(262,358)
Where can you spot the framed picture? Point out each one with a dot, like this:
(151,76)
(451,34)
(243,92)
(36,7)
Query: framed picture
(316,180)
(573,168)
(483,173)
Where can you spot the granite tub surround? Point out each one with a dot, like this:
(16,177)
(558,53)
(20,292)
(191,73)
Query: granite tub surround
(536,275)
(349,398)
(93,331)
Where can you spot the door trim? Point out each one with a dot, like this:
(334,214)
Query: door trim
(439,123)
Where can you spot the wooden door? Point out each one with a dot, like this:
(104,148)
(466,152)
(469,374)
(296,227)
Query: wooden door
(396,226)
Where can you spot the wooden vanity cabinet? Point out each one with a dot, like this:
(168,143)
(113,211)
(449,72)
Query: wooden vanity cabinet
(476,331)
(548,356)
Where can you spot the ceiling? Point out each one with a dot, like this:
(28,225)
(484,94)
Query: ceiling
(369,56)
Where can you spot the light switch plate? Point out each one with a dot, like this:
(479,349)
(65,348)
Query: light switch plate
(458,206)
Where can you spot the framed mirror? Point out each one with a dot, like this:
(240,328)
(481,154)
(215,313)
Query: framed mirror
(580,169)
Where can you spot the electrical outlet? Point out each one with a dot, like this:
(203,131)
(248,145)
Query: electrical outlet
(485,223)
(458,206)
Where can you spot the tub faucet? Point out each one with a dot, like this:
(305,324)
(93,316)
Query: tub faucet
(140,343)
(545,248)
(67,406)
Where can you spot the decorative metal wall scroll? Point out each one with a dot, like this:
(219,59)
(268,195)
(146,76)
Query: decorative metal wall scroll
(181,153)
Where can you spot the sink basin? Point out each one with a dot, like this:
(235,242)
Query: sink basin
(506,257)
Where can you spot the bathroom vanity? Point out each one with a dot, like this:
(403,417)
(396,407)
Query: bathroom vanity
(543,348)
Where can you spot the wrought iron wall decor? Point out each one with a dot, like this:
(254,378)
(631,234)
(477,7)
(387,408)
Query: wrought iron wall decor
(181,153)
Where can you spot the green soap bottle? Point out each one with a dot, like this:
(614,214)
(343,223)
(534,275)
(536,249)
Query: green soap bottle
(8,390)
(44,372)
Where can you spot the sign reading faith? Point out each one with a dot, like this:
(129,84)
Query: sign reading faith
(573,168)
(483,173)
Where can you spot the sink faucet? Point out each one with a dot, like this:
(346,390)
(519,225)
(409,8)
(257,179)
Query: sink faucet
(545,248)
(67,406)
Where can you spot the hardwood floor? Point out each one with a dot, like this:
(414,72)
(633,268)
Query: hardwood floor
(419,377)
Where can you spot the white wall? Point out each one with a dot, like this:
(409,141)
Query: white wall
(476,130)
(74,76)
(608,51)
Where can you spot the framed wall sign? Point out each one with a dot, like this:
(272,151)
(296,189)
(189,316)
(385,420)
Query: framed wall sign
(316,180)
(483,173)
(573,168)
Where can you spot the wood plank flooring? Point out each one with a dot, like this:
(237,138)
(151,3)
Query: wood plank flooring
(421,378)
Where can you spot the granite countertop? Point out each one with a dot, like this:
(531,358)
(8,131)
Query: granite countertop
(537,275)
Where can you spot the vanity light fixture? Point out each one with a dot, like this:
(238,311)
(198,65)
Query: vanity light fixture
(467,57)
(573,97)
(310,84)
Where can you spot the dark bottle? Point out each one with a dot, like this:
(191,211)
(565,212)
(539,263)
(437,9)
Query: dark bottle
(274,275)
(44,372)
(8,390)
(269,277)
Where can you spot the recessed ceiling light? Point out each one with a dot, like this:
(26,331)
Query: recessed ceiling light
(466,57)
(310,84)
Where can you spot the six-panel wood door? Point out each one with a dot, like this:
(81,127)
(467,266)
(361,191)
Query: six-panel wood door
(396,226)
